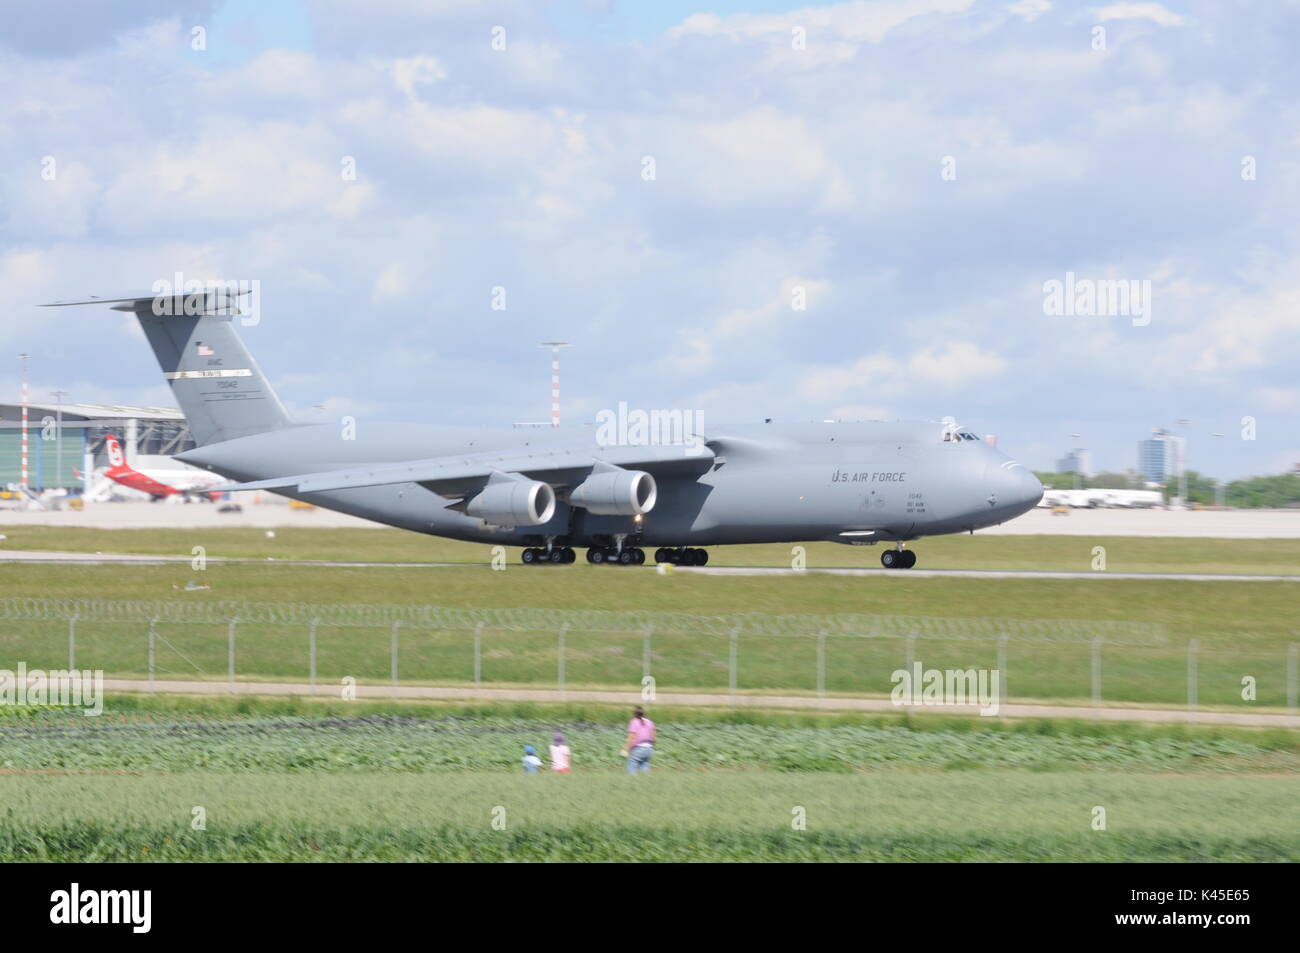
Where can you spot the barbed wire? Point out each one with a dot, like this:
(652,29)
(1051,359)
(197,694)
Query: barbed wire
(352,615)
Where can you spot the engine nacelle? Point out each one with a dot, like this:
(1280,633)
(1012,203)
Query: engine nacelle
(616,492)
(514,503)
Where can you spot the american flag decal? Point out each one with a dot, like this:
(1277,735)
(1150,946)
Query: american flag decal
(203,350)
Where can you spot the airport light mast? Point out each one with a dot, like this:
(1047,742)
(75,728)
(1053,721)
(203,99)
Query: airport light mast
(1218,483)
(1182,462)
(555,378)
(22,479)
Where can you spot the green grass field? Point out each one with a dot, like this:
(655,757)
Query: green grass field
(1244,629)
(1123,553)
(312,781)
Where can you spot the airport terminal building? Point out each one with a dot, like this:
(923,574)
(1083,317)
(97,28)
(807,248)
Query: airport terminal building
(52,457)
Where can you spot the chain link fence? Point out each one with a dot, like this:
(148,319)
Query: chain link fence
(322,645)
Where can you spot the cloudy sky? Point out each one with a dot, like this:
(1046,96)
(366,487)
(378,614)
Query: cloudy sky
(661,184)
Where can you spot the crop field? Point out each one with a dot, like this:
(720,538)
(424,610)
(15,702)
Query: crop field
(1066,553)
(314,781)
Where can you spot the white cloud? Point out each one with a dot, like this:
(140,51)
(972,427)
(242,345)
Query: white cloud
(477,168)
(1029,10)
(1154,12)
(858,22)
(949,366)
(701,348)
(413,72)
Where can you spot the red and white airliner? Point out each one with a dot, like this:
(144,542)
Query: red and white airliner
(180,482)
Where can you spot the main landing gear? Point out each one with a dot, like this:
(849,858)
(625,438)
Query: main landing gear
(627,556)
(556,555)
(682,556)
(615,555)
(899,558)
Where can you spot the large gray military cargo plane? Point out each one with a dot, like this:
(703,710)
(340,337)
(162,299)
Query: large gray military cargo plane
(550,490)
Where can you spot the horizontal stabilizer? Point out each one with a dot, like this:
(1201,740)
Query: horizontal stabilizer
(200,301)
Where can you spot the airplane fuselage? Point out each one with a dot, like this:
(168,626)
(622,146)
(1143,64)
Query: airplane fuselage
(850,482)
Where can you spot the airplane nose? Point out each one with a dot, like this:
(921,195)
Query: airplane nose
(1015,489)
(1029,489)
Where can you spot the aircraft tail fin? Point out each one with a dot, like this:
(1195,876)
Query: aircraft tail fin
(217,384)
(116,456)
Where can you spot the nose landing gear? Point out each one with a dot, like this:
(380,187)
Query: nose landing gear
(899,558)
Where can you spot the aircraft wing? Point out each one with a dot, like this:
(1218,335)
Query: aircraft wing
(465,474)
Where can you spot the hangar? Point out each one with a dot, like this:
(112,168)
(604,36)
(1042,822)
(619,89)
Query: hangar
(147,431)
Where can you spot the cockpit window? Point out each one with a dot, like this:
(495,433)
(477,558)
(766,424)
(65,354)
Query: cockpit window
(956,436)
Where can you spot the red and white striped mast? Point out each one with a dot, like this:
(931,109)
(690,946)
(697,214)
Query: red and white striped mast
(555,378)
(23,478)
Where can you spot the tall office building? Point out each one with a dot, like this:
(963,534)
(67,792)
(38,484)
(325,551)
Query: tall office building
(1160,457)
(1077,461)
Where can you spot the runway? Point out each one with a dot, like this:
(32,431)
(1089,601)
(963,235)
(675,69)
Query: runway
(990,574)
(110,559)
(1218,524)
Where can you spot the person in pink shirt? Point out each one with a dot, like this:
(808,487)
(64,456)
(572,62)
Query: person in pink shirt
(640,744)
(561,756)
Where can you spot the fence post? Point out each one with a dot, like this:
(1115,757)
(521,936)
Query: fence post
(153,636)
(230,654)
(560,673)
(1002,664)
(911,658)
(311,653)
(1192,676)
(72,644)
(393,655)
(1096,672)
(1291,680)
(821,665)
(645,651)
(478,655)
(731,669)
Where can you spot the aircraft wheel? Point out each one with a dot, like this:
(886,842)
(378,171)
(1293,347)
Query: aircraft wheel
(639,555)
(530,556)
(701,557)
(556,555)
(626,557)
(909,558)
(660,556)
(891,558)
(569,555)
(595,556)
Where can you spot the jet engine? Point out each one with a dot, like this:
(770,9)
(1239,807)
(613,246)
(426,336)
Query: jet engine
(613,491)
(518,502)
